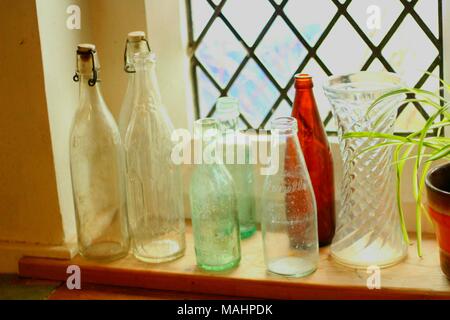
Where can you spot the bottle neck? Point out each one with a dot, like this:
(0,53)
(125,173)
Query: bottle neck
(228,124)
(227,113)
(145,82)
(304,96)
(206,132)
(133,48)
(284,127)
(89,95)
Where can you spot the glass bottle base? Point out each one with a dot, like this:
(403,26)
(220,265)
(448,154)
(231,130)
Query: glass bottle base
(158,251)
(223,267)
(292,267)
(247,232)
(357,262)
(104,251)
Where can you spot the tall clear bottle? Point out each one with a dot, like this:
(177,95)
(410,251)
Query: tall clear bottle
(136,43)
(154,184)
(289,214)
(213,205)
(227,112)
(97,168)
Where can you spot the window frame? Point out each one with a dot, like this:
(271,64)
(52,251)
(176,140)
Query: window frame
(342,11)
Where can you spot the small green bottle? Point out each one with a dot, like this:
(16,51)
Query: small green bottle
(213,206)
(227,112)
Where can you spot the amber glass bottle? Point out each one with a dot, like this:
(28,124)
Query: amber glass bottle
(316,151)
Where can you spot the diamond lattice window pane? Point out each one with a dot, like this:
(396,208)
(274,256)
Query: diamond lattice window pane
(429,12)
(255,92)
(343,51)
(248,26)
(291,92)
(319,79)
(283,110)
(410,52)
(376,66)
(281,52)
(220,52)
(208,93)
(311,18)
(410,120)
(366,13)
(201,13)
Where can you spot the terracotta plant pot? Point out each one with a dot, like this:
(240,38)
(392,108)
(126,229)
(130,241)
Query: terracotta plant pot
(438,191)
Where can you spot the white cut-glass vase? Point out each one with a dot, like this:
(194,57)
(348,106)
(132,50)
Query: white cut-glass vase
(368,231)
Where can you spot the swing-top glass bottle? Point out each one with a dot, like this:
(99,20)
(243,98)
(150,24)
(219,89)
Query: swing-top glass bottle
(154,184)
(97,167)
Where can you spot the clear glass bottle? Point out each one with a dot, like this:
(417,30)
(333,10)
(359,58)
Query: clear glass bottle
(136,43)
(213,206)
(227,112)
(289,214)
(154,184)
(97,168)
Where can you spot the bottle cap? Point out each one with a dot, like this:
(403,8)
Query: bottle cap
(85,48)
(136,36)
(227,108)
(87,62)
(136,42)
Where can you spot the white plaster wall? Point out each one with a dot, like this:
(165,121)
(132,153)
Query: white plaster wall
(29,209)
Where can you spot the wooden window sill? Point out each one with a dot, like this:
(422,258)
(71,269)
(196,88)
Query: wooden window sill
(414,278)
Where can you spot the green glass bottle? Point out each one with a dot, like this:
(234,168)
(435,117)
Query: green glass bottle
(213,205)
(227,112)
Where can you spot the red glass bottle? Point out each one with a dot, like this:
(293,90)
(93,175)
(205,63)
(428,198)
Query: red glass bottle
(318,158)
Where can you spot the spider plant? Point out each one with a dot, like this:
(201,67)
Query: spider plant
(419,146)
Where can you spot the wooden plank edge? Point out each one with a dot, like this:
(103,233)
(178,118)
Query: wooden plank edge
(50,269)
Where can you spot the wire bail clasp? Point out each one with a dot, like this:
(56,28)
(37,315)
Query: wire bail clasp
(83,51)
(127,65)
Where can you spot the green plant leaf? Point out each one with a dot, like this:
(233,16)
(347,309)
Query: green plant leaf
(442,153)
(399,172)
